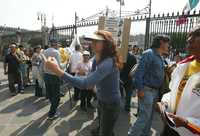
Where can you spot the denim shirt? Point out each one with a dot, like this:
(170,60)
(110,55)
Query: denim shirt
(105,77)
(150,71)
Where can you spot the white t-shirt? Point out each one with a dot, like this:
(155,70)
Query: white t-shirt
(87,67)
(75,58)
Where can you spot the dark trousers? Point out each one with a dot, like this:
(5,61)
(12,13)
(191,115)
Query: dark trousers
(86,96)
(52,84)
(169,131)
(38,89)
(76,91)
(108,115)
(14,78)
(129,92)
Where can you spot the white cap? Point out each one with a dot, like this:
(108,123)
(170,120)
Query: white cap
(94,36)
(86,53)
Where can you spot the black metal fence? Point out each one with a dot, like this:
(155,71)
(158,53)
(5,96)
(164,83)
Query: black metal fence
(176,25)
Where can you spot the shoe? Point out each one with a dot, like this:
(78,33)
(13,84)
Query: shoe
(13,94)
(56,115)
(21,91)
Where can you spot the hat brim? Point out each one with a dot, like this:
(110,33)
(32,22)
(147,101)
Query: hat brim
(93,37)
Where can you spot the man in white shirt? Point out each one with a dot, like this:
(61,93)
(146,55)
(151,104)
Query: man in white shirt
(76,57)
(52,82)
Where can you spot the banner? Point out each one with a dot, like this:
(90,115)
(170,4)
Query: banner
(120,30)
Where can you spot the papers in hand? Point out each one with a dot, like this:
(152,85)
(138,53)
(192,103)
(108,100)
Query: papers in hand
(169,121)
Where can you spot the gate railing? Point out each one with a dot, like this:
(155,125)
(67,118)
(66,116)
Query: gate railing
(176,25)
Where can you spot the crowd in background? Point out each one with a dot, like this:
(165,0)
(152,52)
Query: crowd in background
(26,67)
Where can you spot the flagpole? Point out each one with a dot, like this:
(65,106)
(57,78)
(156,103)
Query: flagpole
(150,3)
(148,21)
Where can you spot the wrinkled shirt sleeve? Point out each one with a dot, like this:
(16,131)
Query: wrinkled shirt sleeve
(103,70)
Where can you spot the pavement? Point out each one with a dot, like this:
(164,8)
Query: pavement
(26,115)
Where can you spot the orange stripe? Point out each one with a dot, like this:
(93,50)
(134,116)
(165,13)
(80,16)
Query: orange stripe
(194,128)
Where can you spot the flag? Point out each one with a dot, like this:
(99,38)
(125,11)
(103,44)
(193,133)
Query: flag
(191,4)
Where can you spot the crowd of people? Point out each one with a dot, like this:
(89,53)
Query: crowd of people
(173,90)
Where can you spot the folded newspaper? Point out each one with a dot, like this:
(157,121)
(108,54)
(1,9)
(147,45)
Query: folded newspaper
(169,121)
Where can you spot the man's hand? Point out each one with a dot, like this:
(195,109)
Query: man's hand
(82,72)
(52,64)
(179,121)
(140,94)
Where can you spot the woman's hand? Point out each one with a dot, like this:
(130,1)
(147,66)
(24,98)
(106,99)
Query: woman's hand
(52,65)
(140,94)
(179,121)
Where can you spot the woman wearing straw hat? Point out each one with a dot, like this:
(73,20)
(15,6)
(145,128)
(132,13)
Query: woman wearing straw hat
(105,77)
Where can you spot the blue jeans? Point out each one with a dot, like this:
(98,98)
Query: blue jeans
(143,123)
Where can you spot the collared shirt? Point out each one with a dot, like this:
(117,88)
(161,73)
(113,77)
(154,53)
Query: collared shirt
(51,52)
(150,71)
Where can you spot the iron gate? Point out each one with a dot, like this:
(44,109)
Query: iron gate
(175,25)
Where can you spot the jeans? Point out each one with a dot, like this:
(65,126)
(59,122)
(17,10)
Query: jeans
(52,84)
(143,123)
(77,91)
(108,115)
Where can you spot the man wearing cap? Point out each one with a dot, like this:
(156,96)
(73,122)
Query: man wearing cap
(12,62)
(148,79)
(52,82)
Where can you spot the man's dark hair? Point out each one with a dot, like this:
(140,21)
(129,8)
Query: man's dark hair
(77,47)
(157,39)
(195,32)
(53,42)
(21,46)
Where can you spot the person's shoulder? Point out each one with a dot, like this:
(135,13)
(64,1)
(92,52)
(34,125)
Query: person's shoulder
(108,62)
(79,53)
(147,53)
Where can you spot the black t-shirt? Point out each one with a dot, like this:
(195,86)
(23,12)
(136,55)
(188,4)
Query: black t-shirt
(131,61)
(13,63)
